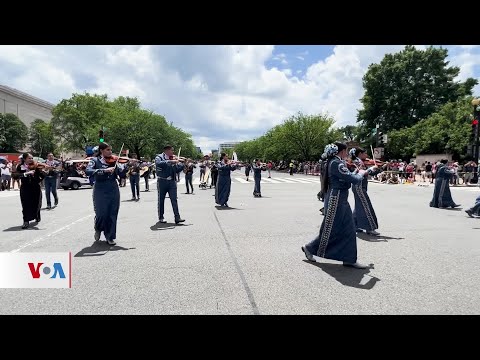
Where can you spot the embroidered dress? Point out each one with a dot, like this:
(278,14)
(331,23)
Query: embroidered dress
(442,197)
(337,237)
(224,183)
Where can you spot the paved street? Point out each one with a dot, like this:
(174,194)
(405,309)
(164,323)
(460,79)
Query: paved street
(247,260)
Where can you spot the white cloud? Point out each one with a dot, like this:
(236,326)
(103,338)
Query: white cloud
(217,93)
(300,58)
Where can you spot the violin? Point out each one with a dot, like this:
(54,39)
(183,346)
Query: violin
(175,157)
(36,165)
(112,160)
(371,162)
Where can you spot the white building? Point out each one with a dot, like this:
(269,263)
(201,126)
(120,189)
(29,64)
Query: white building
(228,145)
(26,107)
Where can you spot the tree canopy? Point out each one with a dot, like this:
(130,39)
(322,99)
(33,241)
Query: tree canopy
(13,133)
(302,137)
(78,120)
(409,86)
(447,130)
(41,138)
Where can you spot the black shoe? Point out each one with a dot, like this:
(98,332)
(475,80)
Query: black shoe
(25,225)
(97,235)
(49,207)
(162,220)
(38,219)
(56,202)
(469,212)
(456,205)
(178,221)
(137,199)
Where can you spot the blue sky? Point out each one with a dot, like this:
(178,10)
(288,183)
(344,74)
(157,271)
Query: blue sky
(217,93)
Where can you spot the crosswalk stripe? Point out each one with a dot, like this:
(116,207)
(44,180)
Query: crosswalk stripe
(286,180)
(264,181)
(303,181)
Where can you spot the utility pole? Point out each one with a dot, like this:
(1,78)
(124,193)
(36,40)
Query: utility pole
(377,138)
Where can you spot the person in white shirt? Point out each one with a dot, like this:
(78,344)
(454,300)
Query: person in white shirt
(6,170)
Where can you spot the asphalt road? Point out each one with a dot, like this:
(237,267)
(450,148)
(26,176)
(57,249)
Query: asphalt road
(247,260)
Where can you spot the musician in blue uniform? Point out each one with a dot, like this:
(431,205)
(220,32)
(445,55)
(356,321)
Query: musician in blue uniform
(257,176)
(167,167)
(51,180)
(106,195)
(224,182)
(363,214)
(337,238)
(442,198)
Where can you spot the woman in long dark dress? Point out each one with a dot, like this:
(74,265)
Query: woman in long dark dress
(363,214)
(442,197)
(106,195)
(337,237)
(30,177)
(224,182)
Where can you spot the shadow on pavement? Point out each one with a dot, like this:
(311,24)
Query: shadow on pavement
(379,238)
(218,207)
(166,226)
(357,278)
(33,226)
(99,248)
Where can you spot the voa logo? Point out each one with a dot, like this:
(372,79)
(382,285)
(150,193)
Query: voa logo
(46,270)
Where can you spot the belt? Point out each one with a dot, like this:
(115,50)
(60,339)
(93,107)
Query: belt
(167,178)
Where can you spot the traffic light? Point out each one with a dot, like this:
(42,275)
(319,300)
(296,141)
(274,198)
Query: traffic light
(380,139)
(101,136)
(474,128)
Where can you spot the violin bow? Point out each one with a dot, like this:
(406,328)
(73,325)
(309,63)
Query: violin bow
(119,154)
(373,155)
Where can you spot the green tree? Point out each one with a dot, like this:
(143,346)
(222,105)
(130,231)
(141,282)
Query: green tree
(301,137)
(41,138)
(449,128)
(13,133)
(409,86)
(307,135)
(77,120)
(350,132)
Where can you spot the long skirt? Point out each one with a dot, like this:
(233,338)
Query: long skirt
(106,203)
(442,196)
(222,190)
(337,238)
(363,214)
(31,198)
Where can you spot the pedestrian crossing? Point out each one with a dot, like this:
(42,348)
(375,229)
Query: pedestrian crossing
(242,180)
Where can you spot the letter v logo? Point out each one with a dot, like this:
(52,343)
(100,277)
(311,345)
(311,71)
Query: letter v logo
(35,271)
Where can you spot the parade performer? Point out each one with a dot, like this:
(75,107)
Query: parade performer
(54,167)
(31,175)
(189,175)
(337,238)
(363,214)
(442,198)
(167,166)
(257,167)
(224,182)
(106,195)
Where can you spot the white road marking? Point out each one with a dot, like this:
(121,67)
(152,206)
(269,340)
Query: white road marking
(53,233)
